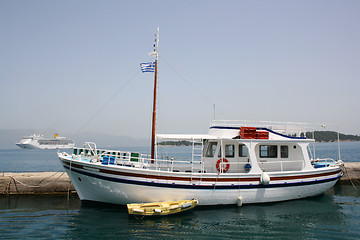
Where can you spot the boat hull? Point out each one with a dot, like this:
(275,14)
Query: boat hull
(122,186)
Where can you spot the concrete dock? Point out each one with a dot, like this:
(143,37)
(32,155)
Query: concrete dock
(59,182)
(351,173)
(35,183)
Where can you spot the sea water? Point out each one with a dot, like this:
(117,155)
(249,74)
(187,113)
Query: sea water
(332,215)
(40,160)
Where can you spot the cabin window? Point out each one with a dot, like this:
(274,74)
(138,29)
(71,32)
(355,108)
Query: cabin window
(210,152)
(243,152)
(284,151)
(268,151)
(229,151)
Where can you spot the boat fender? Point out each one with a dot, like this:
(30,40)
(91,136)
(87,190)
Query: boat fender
(186,205)
(138,210)
(264,179)
(222,165)
(174,207)
(239,201)
(248,167)
(157,210)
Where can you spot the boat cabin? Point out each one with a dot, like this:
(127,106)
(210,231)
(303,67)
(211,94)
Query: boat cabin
(242,156)
(227,148)
(238,149)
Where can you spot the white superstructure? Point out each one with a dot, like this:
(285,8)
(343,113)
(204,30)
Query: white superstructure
(38,141)
(232,164)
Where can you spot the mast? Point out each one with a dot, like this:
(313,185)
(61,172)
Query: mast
(156,53)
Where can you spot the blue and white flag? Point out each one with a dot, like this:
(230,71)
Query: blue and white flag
(147,67)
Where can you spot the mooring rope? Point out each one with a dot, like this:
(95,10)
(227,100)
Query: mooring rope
(347,173)
(35,186)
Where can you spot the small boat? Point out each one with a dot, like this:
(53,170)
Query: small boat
(326,162)
(37,141)
(161,208)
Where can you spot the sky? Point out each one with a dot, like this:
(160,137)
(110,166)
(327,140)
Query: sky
(74,65)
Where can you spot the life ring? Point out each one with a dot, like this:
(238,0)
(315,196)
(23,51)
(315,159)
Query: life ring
(222,165)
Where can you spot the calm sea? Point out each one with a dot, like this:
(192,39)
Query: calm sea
(333,215)
(37,160)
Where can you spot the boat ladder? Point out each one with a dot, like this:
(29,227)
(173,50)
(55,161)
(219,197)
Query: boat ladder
(196,159)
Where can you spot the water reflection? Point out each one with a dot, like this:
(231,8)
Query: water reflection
(334,215)
(37,217)
(39,203)
(318,217)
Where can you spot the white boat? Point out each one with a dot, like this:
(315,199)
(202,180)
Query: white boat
(38,141)
(236,162)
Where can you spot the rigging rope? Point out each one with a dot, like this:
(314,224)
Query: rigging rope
(106,103)
(192,86)
(347,173)
(102,107)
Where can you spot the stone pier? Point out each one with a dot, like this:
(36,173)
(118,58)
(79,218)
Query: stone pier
(59,182)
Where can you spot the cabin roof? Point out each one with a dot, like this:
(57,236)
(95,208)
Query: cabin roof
(185,136)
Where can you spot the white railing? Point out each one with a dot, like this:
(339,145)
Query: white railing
(134,159)
(280,166)
(137,160)
(286,128)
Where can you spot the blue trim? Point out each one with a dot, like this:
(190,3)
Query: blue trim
(222,187)
(266,129)
(232,128)
(259,128)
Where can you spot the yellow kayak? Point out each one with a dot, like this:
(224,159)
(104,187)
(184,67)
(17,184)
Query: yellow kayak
(161,208)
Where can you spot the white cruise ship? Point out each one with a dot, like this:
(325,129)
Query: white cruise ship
(38,141)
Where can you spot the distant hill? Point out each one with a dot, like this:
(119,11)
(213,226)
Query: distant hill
(8,138)
(320,136)
(330,136)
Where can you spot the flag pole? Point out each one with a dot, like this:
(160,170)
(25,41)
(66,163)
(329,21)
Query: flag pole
(156,46)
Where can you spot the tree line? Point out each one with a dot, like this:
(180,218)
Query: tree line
(331,136)
(320,136)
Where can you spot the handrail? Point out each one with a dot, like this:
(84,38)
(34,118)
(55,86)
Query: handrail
(280,163)
(287,128)
(91,149)
(145,161)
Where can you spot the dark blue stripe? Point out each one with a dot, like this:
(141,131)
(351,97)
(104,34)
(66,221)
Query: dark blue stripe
(266,129)
(194,186)
(233,128)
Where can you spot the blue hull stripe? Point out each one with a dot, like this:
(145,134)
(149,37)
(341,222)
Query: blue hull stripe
(194,186)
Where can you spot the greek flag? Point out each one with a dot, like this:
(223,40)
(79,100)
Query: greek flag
(147,67)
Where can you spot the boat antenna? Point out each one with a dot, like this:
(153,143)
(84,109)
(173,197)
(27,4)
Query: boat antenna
(156,54)
(214,112)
